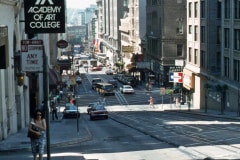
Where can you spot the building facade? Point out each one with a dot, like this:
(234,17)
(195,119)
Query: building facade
(166,38)
(14,106)
(108,38)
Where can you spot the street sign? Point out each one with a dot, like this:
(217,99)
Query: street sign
(32,55)
(72,80)
(176,77)
(162,91)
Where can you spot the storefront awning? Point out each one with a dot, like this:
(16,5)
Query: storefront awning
(54,77)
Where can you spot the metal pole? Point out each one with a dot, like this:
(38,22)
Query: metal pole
(46,91)
(77,118)
(162,101)
(238,102)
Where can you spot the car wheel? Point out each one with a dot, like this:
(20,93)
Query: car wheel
(106,117)
(91,118)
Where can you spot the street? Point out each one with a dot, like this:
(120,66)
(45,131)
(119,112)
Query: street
(136,132)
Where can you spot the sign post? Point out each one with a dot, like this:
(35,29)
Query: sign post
(162,92)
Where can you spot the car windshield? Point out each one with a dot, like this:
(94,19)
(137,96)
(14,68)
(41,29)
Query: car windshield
(128,87)
(109,87)
(71,107)
(99,107)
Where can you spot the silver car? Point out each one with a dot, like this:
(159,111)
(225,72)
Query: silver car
(126,89)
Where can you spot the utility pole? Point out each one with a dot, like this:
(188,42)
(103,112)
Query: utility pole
(46,91)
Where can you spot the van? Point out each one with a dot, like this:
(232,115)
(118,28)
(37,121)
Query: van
(105,89)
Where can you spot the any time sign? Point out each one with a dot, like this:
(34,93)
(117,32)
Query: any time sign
(44,16)
(32,55)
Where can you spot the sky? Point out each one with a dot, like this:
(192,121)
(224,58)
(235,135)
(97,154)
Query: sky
(80,4)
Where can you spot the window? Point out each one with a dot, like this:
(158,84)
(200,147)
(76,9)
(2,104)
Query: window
(190,55)
(190,29)
(236,70)
(125,3)
(226,66)
(226,37)
(195,56)
(203,32)
(202,60)
(219,62)
(190,9)
(196,33)
(196,9)
(203,9)
(219,35)
(180,26)
(237,9)
(237,39)
(227,9)
(219,9)
(179,49)
(154,2)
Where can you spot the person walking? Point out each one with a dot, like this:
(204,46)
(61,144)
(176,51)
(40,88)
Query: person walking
(54,112)
(151,102)
(38,125)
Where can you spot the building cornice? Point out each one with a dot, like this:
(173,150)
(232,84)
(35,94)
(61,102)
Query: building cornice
(9,2)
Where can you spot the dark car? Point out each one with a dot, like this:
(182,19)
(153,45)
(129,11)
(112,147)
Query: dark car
(95,81)
(98,111)
(115,76)
(113,82)
(71,111)
(90,107)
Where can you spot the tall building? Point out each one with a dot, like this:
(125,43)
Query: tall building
(107,43)
(166,39)
(203,46)
(133,31)
(212,69)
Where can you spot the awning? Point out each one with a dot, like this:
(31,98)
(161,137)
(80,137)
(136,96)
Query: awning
(54,77)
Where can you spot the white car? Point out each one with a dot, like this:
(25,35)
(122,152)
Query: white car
(126,89)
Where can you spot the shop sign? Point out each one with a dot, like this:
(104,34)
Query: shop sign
(127,49)
(32,55)
(176,77)
(44,16)
(62,44)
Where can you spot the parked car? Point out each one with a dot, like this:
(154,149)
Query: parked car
(126,89)
(98,111)
(113,82)
(95,81)
(71,111)
(109,72)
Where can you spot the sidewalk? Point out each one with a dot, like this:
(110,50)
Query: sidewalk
(60,135)
(209,112)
